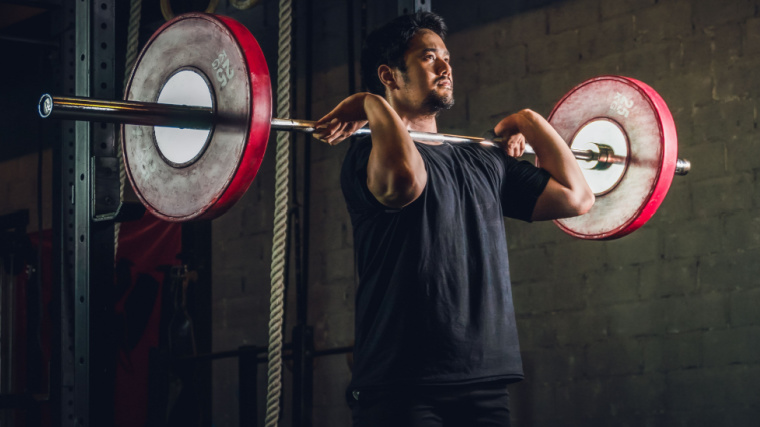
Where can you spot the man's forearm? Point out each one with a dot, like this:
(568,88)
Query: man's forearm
(395,172)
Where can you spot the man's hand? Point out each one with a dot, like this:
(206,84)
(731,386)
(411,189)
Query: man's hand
(345,119)
(514,145)
(510,137)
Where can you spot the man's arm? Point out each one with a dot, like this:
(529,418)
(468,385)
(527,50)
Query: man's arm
(396,174)
(567,193)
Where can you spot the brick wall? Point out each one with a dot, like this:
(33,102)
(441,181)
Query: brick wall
(659,328)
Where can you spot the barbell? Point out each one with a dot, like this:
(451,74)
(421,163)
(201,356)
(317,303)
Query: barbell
(198,112)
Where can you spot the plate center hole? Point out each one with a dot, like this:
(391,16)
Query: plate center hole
(593,136)
(183,146)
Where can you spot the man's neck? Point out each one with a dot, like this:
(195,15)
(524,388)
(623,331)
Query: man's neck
(415,120)
(426,123)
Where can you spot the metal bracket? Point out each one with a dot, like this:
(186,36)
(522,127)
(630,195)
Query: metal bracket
(105,188)
(411,6)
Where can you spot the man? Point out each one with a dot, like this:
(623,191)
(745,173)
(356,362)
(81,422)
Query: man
(436,342)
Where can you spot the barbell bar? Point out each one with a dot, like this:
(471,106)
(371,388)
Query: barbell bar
(203,118)
(197,114)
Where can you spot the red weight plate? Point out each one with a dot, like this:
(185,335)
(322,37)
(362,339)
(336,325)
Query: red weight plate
(645,120)
(242,100)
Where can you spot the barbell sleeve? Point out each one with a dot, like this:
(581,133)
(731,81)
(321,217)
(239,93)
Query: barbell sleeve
(127,112)
(194,117)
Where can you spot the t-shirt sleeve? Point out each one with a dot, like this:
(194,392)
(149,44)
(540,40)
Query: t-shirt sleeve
(522,183)
(353,179)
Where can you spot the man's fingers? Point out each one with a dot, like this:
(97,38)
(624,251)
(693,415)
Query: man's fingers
(323,131)
(520,147)
(335,131)
(515,145)
(324,121)
(336,138)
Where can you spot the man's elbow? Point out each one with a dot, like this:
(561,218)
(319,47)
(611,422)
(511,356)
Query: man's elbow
(398,191)
(582,202)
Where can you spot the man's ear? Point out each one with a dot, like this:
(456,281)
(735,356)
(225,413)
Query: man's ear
(387,77)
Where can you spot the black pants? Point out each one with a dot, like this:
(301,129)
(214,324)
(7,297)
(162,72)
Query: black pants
(470,405)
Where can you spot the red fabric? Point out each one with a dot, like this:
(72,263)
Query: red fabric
(21,384)
(148,244)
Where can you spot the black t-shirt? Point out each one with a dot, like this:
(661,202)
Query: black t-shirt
(434,301)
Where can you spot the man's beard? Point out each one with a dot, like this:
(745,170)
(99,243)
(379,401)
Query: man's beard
(434,102)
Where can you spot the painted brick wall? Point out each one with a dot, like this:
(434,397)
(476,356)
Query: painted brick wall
(659,328)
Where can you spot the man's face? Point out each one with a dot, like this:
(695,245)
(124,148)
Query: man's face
(428,82)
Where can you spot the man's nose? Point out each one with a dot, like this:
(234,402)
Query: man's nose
(444,68)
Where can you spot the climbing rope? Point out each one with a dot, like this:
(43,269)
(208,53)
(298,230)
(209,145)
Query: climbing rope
(276,309)
(274,387)
(133,42)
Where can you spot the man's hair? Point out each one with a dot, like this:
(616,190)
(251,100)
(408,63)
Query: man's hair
(388,44)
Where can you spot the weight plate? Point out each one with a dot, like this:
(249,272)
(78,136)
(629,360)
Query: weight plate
(633,195)
(229,59)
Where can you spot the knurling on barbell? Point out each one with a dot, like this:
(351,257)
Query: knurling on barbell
(219,92)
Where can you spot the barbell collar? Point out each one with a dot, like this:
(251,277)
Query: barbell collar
(193,117)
